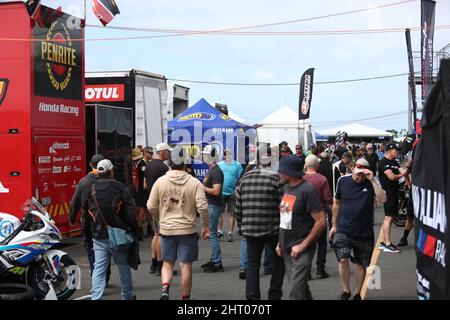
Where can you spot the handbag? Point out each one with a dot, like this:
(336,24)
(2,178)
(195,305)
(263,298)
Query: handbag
(118,237)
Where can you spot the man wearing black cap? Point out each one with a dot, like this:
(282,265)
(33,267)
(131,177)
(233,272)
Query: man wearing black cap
(80,200)
(390,172)
(302,221)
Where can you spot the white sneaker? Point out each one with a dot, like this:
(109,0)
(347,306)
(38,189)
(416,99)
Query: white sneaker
(391,249)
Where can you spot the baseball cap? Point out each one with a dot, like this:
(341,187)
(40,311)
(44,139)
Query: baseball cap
(361,165)
(163,146)
(299,146)
(292,166)
(96,158)
(104,166)
(137,154)
(312,161)
(390,146)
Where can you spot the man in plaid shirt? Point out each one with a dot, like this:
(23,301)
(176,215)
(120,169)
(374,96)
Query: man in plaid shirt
(258,196)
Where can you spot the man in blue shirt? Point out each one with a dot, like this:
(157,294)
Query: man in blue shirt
(352,230)
(232,171)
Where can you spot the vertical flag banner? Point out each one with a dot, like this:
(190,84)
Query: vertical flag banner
(306,91)
(412,84)
(427,32)
(34,9)
(431,193)
(105,10)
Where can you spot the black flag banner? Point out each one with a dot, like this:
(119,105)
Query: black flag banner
(306,91)
(34,9)
(427,27)
(411,80)
(431,192)
(105,10)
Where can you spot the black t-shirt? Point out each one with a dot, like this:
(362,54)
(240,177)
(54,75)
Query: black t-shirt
(388,185)
(296,208)
(141,173)
(342,168)
(155,169)
(214,176)
(373,161)
(326,169)
(356,212)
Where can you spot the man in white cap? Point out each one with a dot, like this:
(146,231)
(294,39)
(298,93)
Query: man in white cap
(213,183)
(111,205)
(153,171)
(352,230)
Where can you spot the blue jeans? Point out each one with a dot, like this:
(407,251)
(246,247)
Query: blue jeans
(214,213)
(269,257)
(103,253)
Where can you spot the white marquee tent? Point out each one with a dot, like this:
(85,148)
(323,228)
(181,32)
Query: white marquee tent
(357,130)
(282,125)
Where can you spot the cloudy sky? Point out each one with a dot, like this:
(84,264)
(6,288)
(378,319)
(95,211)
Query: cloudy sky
(273,59)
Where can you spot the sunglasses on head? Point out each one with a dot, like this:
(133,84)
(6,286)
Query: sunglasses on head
(360,166)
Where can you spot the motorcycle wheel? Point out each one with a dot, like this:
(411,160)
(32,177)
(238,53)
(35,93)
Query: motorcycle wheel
(12,291)
(35,278)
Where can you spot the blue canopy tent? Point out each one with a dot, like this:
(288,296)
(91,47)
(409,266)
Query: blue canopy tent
(203,124)
(320,137)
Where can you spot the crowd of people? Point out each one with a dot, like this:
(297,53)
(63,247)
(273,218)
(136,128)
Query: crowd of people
(324,195)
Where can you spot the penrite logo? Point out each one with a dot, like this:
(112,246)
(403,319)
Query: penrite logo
(3,89)
(59,55)
(59,146)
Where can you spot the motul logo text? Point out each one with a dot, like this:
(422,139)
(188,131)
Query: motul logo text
(96,93)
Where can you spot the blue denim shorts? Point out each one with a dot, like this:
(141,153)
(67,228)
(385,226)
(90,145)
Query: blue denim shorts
(184,247)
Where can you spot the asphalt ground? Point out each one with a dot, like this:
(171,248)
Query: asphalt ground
(397,274)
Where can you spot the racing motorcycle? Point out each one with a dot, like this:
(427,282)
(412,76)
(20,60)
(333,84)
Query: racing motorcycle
(26,256)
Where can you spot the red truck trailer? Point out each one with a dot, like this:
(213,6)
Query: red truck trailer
(42,117)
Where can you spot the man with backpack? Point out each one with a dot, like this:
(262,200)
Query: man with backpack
(111,206)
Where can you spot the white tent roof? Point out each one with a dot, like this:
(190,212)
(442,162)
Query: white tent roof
(357,130)
(283,117)
(234,116)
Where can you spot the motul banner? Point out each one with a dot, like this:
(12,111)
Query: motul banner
(428,17)
(306,91)
(431,193)
(105,93)
(411,80)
